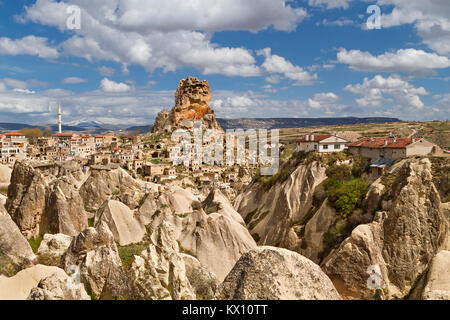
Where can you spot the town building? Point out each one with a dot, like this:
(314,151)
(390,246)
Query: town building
(321,143)
(391,147)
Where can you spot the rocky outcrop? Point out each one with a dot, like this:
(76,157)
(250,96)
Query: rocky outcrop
(312,241)
(159,272)
(109,183)
(437,283)
(120,219)
(45,199)
(216,239)
(270,214)
(192,102)
(54,245)
(15,250)
(5,174)
(204,283)
(58,287)
(94,252)
(398,245)
(268,273)
(20,286)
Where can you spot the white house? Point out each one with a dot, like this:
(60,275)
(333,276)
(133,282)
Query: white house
(321,143)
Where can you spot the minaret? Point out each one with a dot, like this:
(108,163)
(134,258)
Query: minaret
(59,119)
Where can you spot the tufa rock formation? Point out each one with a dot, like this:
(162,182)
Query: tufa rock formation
(20,286)
(268,273)
(55,287)
(192,102)
(121,221)
(15,251)
(401,241)
(159,273)
(45,199)
(217,238)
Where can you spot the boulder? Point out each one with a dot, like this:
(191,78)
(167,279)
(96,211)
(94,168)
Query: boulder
(438,278)
(95,253)
(159,272)
(14,248)
(20,286)
(268,273)
(54,245)
(204,283)
(58,287)
(121,221)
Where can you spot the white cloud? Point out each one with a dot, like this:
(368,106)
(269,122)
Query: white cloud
(330,4)
(106,71)
(26,91)
(29,45)
(166,34)
(431,19)
(109,86)
(404,60)
(74,80)
(380,91)
(275,64)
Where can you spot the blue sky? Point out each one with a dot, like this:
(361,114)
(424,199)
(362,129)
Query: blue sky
(262,58)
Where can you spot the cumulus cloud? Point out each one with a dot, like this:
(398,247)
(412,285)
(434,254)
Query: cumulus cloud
(275,64)
(380,91)
(405,60)
(330,4)
(431,19)
(106,71)
(166,34)
(30,45)
(109,86)
(74,80)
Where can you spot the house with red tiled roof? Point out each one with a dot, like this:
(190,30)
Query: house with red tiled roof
(391,147)
(321,143)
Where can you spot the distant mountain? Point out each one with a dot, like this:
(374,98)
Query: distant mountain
(140,129)
(283,123)
(94,127)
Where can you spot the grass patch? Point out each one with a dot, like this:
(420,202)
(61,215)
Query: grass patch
(35,242)
(256,237)
(91,222)
(7,267)
(126,253)
(4,191)
(49,260)
(89,209)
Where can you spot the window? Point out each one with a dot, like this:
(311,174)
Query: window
(315,147)
(337,146)
(325,147)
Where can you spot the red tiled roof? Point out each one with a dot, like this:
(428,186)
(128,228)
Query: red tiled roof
(400,143)
(99,137)
(9,134)
(378,143)
(63,135)
(314,138)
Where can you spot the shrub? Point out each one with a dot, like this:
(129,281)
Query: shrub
(346,196)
